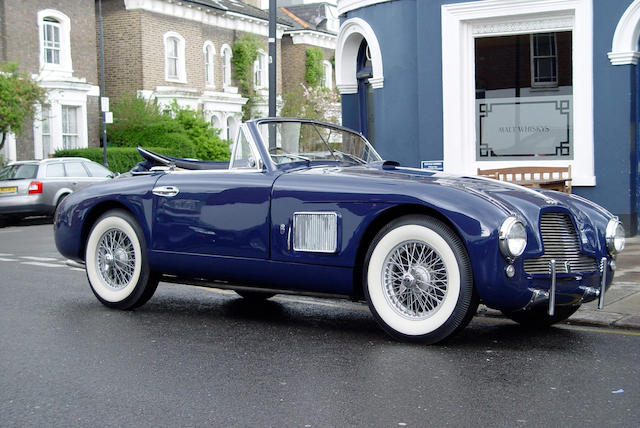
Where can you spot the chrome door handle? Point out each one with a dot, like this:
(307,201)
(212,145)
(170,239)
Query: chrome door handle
(165,191)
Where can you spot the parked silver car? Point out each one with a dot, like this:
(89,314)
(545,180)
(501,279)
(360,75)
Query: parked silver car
(36,187)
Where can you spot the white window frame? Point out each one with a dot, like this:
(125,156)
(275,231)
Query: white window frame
(209,54)
(226,53)
(62,21)
(328,74)
(181,73)
(532,44)
(462,23)
(260,74)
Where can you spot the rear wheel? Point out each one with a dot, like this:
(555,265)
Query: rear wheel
(538,317)
(418,280)
(116,262)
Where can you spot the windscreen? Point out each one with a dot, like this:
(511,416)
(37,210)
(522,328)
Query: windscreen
(295,141)
(19,171)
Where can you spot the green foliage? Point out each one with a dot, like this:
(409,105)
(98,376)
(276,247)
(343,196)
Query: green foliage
(245,52)
(19,95)
(314,74)
(138,122)
(120,159)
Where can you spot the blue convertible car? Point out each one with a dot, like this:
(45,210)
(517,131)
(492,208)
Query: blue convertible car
(307,207)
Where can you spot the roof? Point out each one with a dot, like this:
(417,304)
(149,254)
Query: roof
(307,17)
(236,6)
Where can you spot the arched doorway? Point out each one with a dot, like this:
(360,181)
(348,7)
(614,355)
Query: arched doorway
(359,74)
(365,92)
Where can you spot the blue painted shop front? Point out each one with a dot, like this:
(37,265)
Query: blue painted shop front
(410,113)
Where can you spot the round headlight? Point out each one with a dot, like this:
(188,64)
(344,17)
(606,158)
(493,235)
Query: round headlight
(615,236)
(512,238)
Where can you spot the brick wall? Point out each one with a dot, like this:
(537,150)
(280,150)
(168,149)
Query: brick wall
(122,49)
(154,26)
(293,60)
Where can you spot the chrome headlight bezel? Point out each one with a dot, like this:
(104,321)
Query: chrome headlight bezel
(512,238)
(614,235)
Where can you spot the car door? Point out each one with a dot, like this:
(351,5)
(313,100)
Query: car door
(215,213)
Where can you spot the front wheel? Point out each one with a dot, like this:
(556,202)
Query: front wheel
(418,280)
(538,317)
(116,262)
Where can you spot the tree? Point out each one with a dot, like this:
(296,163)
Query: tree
(19,96)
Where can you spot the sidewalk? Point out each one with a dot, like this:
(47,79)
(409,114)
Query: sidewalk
(621,302)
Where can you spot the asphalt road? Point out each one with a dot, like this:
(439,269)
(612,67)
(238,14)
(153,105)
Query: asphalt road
(200,357)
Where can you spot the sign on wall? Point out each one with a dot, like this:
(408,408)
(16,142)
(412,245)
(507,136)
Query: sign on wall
(524,127)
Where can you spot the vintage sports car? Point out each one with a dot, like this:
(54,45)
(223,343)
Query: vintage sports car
(311,208)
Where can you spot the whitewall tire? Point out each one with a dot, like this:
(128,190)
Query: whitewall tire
(418,280)
(116,262)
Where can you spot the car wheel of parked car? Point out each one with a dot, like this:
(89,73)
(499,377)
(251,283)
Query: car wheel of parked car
(418,280)
(538,317)
(254,295)
(116,262)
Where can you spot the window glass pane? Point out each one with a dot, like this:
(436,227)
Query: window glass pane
(51,42)
(244,158)
(75,169)
(97,170)
(69,127)
(18,171)
(55,170)
(524,97)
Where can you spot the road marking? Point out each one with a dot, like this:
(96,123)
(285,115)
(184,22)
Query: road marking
(42,264)
(39,259)
(78,269)
(2,259)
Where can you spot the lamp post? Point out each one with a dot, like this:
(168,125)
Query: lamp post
(272,57)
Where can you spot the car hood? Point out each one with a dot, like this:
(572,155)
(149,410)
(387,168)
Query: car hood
(459,193)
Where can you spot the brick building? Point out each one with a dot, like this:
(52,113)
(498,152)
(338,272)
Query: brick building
(54,41)
(314,25)
(169,50)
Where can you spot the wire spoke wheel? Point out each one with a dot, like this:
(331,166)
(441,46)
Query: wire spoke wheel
(418,280)
(415,280)
(116,262)
(115,258)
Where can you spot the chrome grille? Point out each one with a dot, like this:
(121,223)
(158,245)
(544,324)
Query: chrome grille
(315,232)
(560,242)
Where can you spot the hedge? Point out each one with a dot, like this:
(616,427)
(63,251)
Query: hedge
(120,159)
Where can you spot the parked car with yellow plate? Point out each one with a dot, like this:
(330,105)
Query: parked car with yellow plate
(36,187)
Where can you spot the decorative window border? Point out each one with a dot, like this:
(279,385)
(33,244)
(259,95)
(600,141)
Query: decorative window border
(182,72)
(65,68)
(227,77)
(624,47)
(352,31)
(262,62)
(209,73)
(462,23)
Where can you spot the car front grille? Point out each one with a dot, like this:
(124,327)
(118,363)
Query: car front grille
(560,242)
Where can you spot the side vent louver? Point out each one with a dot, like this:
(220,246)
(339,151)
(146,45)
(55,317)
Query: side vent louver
(315,232)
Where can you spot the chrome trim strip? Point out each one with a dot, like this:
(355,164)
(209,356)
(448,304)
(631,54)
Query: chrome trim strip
(552,290)
(603,282)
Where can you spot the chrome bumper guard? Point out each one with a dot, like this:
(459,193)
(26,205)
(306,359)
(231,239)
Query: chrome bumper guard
(540,296)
